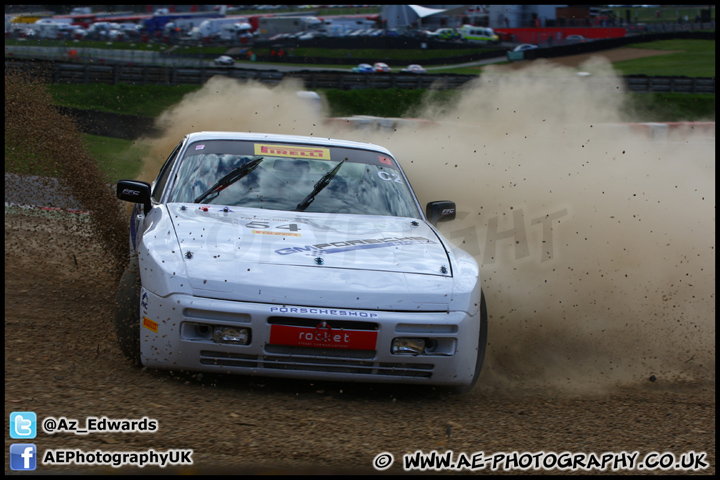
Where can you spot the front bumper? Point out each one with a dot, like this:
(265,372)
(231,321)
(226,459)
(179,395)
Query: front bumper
(174,335)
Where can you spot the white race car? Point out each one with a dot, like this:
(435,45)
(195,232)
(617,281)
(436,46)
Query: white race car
(414,68)
(224,60)
(303,257)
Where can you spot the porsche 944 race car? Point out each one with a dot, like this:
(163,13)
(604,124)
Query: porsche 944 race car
(297,257)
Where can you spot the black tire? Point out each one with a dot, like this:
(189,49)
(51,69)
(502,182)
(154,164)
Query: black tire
(127,313)
(482,346)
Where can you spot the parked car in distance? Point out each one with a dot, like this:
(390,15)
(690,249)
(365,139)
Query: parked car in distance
(445,34)
(524,46)
(414,68)
(381,67)
(224,60)
(575,39)
(363,68)
(70,32)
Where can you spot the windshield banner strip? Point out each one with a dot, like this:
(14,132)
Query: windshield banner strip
(292,151)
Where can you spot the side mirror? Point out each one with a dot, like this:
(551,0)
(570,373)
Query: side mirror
(440,211)
(135,191)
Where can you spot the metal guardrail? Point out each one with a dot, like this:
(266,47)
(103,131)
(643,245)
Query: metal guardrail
(313,79)
(143,75)
(643,84)
(136,56)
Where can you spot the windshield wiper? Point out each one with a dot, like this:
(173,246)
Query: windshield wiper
(230,178)
(322,183)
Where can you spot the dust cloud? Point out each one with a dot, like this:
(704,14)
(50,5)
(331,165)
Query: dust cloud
(225,104)
(596,246)
(39,139)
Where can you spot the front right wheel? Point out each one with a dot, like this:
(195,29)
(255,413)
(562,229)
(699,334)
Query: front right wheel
(482,346)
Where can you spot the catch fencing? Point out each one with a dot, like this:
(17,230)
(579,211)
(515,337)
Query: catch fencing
(55,72)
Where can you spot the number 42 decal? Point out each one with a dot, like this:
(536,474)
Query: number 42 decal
(260,225)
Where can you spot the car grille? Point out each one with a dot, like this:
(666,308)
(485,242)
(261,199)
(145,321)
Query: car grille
(334,324)
(301,359)
(296,358)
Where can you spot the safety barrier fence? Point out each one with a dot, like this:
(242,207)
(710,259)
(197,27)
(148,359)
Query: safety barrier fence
(56,72)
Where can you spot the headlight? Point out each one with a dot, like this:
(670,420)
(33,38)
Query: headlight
(423,346)
(408,346)
(233,335)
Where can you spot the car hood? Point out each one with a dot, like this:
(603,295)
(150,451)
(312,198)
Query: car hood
(357,242)
(302,258)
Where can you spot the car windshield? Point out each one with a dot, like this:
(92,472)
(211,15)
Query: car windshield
(292,177)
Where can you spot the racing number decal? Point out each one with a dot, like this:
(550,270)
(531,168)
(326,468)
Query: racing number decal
(290,226)
(390,177)
(258,227)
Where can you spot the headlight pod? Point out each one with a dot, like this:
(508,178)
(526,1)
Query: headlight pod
(408,346)
(423,346)
(231,335)
(222,334)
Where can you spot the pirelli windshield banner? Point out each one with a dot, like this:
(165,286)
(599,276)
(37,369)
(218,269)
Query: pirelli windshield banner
(321,153)
(292,151)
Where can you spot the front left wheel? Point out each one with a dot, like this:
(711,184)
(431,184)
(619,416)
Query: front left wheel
(127,313)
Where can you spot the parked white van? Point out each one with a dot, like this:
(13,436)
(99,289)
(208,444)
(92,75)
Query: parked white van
(470,33)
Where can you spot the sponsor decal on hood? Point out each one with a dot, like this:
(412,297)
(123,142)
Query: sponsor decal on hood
(348,245)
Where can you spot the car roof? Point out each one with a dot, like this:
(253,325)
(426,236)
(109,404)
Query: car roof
(273,137)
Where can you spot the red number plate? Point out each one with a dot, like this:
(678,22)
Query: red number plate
(322,336)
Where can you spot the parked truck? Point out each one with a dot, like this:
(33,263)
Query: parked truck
(50,27)
(235,31)
(269,26)
(184,21)
(182,25)
(338,26)
(222,28)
